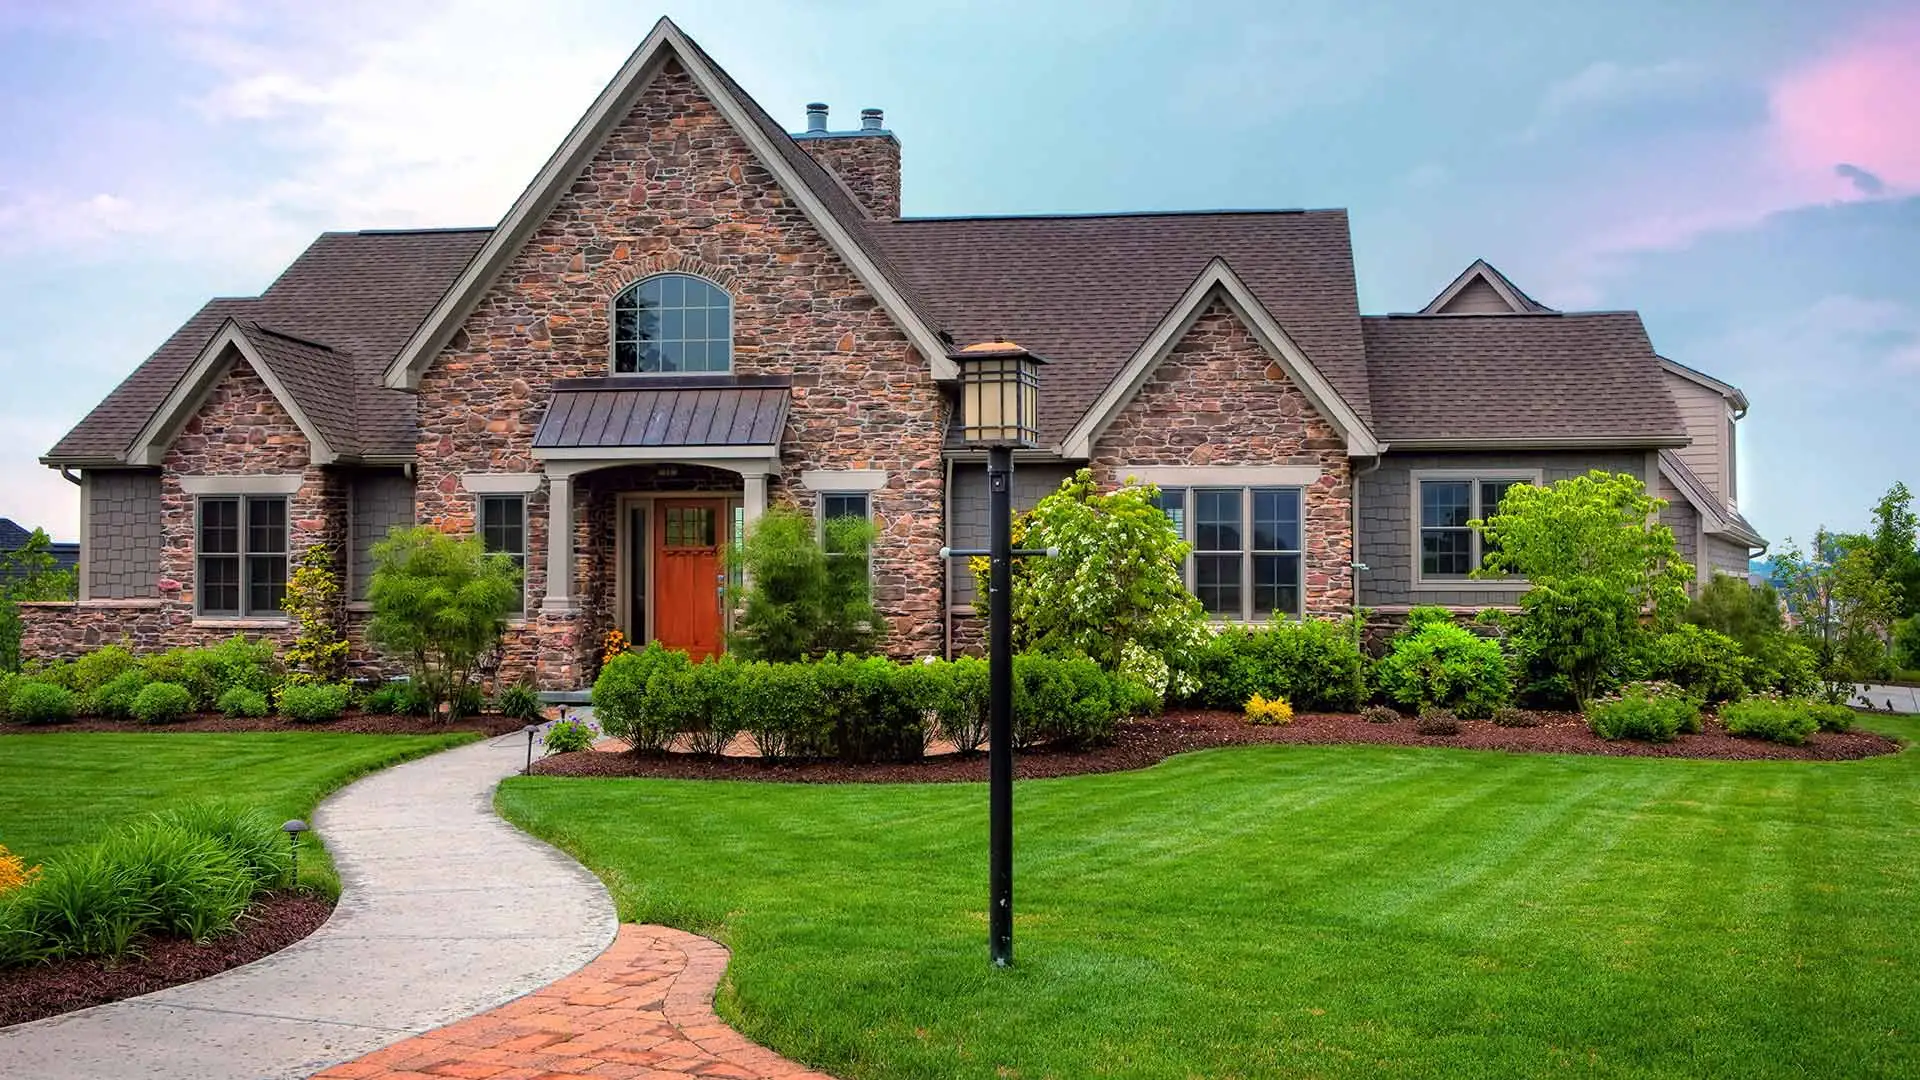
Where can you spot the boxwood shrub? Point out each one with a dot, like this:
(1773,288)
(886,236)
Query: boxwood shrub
(1780,720)
(114,698)
(1647,711)
(35,702)
(314,703)
(243,701)
(162,703)
(1438,664)
(1314,664)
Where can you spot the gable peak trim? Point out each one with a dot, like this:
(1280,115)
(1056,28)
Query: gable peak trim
(1518,302)
(1218,281)
(196,384)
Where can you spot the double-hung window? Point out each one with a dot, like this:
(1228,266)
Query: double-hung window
(503,529)
(1246,561)
(835,505)
(242,554)
(1450,549)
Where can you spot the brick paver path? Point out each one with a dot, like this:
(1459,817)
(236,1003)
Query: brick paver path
(642,1011)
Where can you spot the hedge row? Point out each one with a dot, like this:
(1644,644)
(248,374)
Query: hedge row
(853,708)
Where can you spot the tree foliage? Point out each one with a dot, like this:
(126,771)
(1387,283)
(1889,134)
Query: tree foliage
(803,598)
(1112,580)
(1730,605)
(28,573)
(440,603)
(1895,542)
(1843,606)
(319,651)
(1603,571)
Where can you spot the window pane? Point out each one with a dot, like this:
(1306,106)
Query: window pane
(1445,504)
(1217,583)
(266,526)
(266,583)
(1276,584)
(219,526)
(220,584)
(1276,520)
(672,323)
(1173,502)
(1491,492)
(1446,552)
(1216,518)
(503,524)
(843,504)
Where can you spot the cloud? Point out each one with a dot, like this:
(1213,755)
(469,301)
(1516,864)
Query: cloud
(1605,85)
(1855,104)
(1863,181)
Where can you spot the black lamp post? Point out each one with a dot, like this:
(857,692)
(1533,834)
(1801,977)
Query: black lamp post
(293,829)
(999,410)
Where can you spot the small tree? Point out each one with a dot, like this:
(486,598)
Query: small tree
(1896,547)
(440,603)
(28,573)
(1746,613)
(319,652)
(803,599)
(1113,580)
(1843,607)
(1603,571)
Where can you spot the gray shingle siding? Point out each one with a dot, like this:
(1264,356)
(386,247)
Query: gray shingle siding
(1726,556)
(968,511)
(1386,516)
(381,500)
(123,535)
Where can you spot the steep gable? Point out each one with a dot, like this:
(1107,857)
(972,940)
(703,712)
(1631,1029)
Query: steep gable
(1481,289)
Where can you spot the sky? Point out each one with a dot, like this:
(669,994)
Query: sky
(1744,173)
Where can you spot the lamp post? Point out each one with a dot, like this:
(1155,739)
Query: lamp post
(293,829)
(999,410)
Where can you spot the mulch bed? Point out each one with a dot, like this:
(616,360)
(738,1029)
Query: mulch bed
(353,723)
(43,990)
(1145,742)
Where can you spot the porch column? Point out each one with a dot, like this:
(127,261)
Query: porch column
(559,542)
(754,498)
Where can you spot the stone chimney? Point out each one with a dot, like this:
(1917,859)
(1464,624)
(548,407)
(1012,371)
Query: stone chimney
(866,160)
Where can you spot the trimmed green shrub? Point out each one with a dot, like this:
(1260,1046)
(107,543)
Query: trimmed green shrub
(1380,714)
(114,698)
(872,708)
(93,670)
(35,702)
(162,703)
(1783,664)
(8,680)
(1065,702)
(1706,662)
(1444,665)
(1436,722)
(1649,712)
(314,703)
(569,735)
(781,706)
(208,673)
(962,701)
(519,702)
(1770,718)
(717,719)
(1507,716)
(1831,718)
(1315,664)
(625,707)
(243,701)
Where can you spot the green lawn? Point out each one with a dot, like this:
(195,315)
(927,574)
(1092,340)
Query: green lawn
(1301,911)
(57,790)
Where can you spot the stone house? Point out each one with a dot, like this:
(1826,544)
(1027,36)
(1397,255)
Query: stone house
(691,315)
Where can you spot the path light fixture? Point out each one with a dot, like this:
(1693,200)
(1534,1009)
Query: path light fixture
(293,829)
(531,730)
(999,411)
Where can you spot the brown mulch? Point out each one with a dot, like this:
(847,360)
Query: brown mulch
(353,723)
(43,990)
(1145,742)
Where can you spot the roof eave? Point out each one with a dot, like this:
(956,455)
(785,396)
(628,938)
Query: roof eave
(1734,395)
(1578,442)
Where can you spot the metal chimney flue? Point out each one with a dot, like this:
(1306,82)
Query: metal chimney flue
(870,120)
(817,118)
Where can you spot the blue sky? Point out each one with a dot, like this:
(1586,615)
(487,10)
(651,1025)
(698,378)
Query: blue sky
(1746,174)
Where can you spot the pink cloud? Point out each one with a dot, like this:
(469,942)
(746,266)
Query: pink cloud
(1855,105)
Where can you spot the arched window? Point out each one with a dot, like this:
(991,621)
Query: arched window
(672,323)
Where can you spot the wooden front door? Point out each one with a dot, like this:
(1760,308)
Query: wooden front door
(687,574)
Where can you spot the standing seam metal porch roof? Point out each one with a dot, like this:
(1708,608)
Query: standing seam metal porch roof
(618,413)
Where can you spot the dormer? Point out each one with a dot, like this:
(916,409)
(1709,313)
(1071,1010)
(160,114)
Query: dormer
(1481,289)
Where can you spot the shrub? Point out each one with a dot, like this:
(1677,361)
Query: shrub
(319,651)
(570,734)
(872,708)
(1441,664)
(1906,643)
(114,698)
(1066,702)
(519,702)
(384,699)
(189,872)
(1380,714)
(34,702)
(962,702)
(781,706)
(314,703)
(717,718)
(1650,712)
(162,703)
(208,673)
(95,669)
(627,706)
(1770,718)
(1783,664)
(439,604)
(243,701)
(1437,722)
(1315,664)
(1508,716)
(1706,662)
(1831,718)
(805,598)
(1268,711)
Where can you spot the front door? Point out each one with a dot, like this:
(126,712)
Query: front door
(687,574)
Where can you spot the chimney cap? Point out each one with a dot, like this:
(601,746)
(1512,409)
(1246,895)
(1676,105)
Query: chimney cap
(816,116)
(870,119)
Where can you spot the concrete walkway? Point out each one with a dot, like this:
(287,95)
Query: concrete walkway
(1903,699)
(447,911)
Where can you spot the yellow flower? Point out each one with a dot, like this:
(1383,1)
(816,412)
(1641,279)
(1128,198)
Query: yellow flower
(14,871)
(1261,710)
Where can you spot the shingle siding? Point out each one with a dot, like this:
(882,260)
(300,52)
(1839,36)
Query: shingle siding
(1386,516)
(1726,556)
(1704,412)
(1680,516)
(968,510)
(381,500)
(123,535)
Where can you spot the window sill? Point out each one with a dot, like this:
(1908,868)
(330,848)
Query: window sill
(242,622)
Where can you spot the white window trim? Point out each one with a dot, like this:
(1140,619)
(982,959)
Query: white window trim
(256,484)
(501,483)
(242,618)
(843,481)
(1475,477)
(613,346)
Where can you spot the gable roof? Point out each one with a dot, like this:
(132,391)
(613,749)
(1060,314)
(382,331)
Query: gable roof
(1732,393)
(1718,517)
(1086,291)
(826,203)
(1541,380)
(1483,275)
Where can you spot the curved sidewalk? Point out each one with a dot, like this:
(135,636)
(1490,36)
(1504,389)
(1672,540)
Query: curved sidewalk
(446,911)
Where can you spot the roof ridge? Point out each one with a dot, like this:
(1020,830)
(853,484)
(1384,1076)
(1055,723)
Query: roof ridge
(255,324)
(1504,316)
(1082,215)
(415,231)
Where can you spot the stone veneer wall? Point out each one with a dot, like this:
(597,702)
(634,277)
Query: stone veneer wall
(868,164)
(674,188)
(124,533)
(1217,399)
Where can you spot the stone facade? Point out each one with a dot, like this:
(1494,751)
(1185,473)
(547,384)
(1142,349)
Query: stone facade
(675,188)
(868,163)
(1217,399)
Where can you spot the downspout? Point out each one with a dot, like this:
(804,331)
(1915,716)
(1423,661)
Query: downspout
(67,474)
